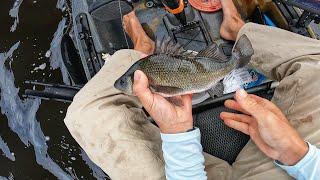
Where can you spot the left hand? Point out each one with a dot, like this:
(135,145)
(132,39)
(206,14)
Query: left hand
(267,127)
(171,118)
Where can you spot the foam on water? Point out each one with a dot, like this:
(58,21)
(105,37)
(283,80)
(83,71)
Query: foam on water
(6,151)
(55,51)
(21,115)
(55,46)
(14,12)
(61,4)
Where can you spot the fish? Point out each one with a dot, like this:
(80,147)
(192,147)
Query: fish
(172,71)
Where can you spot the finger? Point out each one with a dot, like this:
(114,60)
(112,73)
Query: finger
(250,105)
(142,91)
(236,117)
(232,104)
(267,104)
(240,126)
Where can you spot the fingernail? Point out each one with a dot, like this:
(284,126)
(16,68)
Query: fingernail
(137,76)
(242,94)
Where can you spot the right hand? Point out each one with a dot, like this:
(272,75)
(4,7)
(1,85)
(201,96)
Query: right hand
(172,118)
(267,127)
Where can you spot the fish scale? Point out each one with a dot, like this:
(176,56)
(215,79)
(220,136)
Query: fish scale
(173,73)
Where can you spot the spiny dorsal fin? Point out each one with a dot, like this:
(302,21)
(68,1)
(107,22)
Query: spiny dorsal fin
(213,52)
(177,49)
(168,46)
(158,45)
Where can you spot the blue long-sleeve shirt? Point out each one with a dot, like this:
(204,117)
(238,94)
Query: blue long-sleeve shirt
(184,159)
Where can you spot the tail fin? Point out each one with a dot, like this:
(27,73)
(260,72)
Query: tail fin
(242,51)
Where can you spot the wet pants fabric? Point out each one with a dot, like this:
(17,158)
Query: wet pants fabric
(116,134)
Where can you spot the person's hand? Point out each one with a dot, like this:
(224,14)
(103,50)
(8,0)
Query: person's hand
(267,127)
(171,117)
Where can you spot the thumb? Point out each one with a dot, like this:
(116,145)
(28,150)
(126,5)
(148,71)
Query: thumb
(250,105)
(141,89)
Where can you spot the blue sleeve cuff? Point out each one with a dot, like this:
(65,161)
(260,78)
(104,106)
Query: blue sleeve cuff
(297,169)
(180,137)
(183,156)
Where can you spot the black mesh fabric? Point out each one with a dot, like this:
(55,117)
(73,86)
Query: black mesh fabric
(106,10)
(107,19)
(218,139)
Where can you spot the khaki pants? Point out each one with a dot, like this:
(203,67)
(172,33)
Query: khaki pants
(112,128)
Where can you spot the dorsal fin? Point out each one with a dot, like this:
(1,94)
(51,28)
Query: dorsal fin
(213,52)
(168,46)
(165,45)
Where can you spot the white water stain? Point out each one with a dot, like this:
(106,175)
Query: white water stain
(6,151)
(55,52)
(21,115)
(55,46)
(40,67)
(14,13)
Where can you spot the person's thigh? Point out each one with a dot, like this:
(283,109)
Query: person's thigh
(114,131)
(217,169)
(112,128)
(298,94)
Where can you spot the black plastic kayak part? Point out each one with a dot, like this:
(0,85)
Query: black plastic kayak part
(97,28)
(72,61)
(91,58)
(193,35)
(312,6)
(56,92)
(299,23)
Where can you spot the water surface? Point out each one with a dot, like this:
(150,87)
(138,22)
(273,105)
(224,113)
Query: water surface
(34,142)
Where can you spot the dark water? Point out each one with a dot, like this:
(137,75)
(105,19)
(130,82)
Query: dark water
(34,142)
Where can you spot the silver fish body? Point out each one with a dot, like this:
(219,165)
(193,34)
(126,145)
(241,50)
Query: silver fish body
(172,74)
